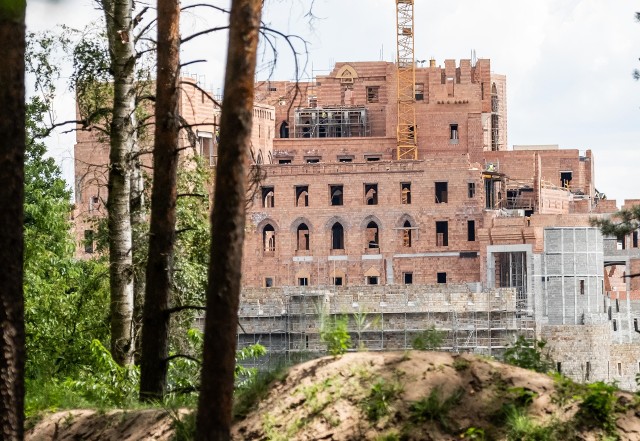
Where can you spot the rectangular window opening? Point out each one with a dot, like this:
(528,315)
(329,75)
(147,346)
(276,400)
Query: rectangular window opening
(441,193)
(406,192)
(345,158)
(635,239)
(559,367)
(453,134)
(336,195)
(615,325)
(88,241)
(372,280)
(303,281)
(587,371)
(419,91)
(373,158)
(284,161)
(337,281)
(371,194)
(268,197)
(471,189)
(373,94)
(442,233)
(302,195)
(582,287)
(565,179)
(207,148)
(408,278)
(442,277)
(268,282)
(471,231)
(619,369)
(314,160)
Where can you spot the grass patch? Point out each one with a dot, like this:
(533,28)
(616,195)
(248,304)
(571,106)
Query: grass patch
(435,408)
(256,389)
(378,403)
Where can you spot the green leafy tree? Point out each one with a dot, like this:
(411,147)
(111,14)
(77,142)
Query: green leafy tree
(528,354)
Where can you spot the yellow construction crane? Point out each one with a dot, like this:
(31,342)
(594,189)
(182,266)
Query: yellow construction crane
(407,132)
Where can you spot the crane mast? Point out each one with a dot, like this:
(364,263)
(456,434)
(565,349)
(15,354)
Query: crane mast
(407,133)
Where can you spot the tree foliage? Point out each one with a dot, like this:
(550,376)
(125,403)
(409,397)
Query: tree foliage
(620,224)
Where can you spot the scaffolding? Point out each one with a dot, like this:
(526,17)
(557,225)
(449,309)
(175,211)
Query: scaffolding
(288,321)
(332,122)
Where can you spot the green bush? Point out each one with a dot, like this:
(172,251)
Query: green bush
(335,335)
(598,406)
(429,340)
(528,354)
(521,427)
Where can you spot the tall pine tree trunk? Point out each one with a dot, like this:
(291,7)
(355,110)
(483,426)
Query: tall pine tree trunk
(155,325)
(123,138)
(12,145)
(227,226)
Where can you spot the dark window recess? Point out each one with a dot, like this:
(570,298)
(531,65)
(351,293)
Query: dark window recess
(88,241)
(635,239)
(284,161)
(471,231)
(372,158)
(587,371)
(303,238)
(582,287)
(268,282)
(405,189)
(565,179)
(453,133)
(408,278)
(615,325)
(337,237)
(269,238)
(406,234)
(284,129)
(335,192)
(302,195)
(617,305)
(442,277)
(468,254)
(471,189)
(373,94)
(371,194)
(559,367)
(419,91)
(312,160)
(268,197)
(441,192)
(303,281)
(622,243)
(345,159)
(337,281)
(442,233)
(372,280)
(372,235)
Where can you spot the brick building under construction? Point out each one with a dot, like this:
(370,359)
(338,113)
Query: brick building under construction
(452,230)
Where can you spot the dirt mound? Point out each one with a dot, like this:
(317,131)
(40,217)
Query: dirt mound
(74,425)
(392,396)
(424,396)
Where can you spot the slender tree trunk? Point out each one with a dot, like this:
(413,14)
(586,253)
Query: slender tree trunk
(138,240)
(123,137)
(155,325)
(12,145)
(227,226)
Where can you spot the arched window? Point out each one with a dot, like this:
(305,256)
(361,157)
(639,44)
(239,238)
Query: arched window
(269,239)
(337,237)
(406,234)
(303,238)
(284,129)
(372,235)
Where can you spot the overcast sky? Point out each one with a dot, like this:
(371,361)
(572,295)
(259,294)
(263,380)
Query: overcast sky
(568,63)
